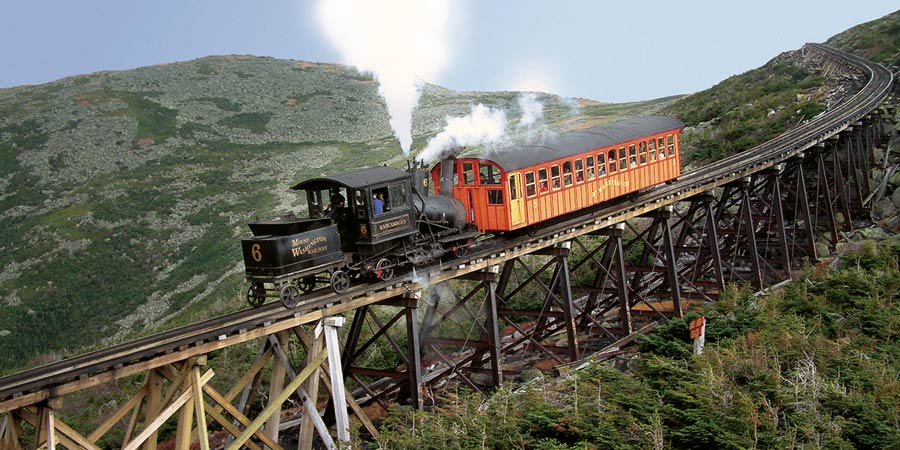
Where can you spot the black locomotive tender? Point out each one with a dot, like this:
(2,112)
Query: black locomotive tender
(365,223)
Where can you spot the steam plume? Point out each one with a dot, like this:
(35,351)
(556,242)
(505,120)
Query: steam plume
(573,105)
(483,125)
(532,110)
(399,41)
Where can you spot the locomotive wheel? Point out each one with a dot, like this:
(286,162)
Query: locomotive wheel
(307,284)
(256,295)
(462,250)
(340,282)
(384,270)
(290,296)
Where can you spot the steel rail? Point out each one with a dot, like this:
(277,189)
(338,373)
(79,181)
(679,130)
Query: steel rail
(791,143)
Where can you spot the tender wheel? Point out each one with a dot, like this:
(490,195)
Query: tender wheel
(290,296)
(340,281)
(256,295)
(384,270)
(307,284)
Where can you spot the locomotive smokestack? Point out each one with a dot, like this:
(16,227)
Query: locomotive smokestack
(418,177)
(447,176)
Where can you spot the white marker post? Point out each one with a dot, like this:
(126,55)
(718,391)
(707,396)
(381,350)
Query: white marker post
(698,334)
(332,345)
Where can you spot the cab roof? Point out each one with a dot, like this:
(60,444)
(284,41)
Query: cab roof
(354,180)
(575,142)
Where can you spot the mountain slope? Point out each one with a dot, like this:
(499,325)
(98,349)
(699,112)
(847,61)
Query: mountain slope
(878,40)
(750,108)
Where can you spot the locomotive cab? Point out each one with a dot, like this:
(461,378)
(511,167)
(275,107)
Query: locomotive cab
(377,207)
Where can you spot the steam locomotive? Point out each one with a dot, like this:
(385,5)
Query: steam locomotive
(365,223)
(371,222)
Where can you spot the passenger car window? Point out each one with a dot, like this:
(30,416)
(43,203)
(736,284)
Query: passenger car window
(554,177)
(590,166)
(542,180)
(530,190)
(567,173)
(468,173)
(488,174)
(495,196)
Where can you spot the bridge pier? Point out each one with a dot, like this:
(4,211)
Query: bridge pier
(698,246)
(407,377)
(736,228)
(799,228)
(558,297)
(843,180)
(824,216)
(658,245)
(609,288)
(11,431)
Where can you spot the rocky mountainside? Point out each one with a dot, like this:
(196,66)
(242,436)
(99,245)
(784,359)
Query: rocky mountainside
(750,108)
(878,40)
(123,195)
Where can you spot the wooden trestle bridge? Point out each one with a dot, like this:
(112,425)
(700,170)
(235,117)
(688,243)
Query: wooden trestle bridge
(746,219)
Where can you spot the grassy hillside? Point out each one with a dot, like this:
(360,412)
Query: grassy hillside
(878,40)
(123,195)
(748,109)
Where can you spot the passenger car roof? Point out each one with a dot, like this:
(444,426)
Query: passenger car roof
(355,180)
(575,142)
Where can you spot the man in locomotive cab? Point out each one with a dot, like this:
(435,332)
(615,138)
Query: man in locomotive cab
(337,200)
(314,204)
(378,203)
(336,204)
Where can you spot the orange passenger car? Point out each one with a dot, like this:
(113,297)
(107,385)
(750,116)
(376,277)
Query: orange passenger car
(523,185)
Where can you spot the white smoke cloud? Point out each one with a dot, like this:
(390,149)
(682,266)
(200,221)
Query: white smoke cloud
(399,41)
(531,126)
(532,110)
(574,106)
(483,125)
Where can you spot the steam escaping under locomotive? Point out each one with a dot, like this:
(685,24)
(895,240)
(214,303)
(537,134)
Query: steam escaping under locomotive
(374,222)
(366,223)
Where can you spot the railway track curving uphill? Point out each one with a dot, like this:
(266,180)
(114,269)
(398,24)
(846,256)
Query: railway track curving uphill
(69,375)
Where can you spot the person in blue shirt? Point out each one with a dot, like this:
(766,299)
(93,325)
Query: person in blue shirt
(378,203)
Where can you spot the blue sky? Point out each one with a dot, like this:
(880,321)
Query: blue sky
(608,51)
